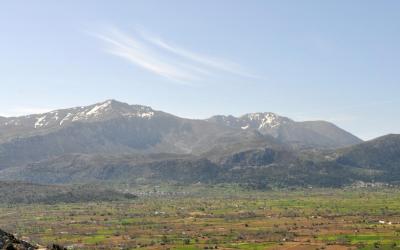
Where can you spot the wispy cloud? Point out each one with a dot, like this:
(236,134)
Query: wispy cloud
(162,58)
(206,61)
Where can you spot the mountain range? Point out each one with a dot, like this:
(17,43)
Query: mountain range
(115,141)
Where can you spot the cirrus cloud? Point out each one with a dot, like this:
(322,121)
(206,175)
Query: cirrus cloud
(168,60)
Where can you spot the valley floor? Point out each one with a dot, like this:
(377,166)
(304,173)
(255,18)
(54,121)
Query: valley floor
(217,218)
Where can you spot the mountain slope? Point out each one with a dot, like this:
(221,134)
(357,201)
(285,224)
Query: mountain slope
(332,132)
(83,168)
(382,152)
(114,141)
(20,192)
(260,168)
(299,134)
(113,127)
(40,123)
(373,161)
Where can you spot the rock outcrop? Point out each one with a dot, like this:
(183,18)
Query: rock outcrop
(9,242)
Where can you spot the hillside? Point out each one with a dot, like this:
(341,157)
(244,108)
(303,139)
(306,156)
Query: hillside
(20,192)
(117,142)
(379,158)
(259,167)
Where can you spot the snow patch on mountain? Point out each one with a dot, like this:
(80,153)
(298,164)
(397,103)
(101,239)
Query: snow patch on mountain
(98,108)
(65,118)
(105,110)
(40,121)
(264,120)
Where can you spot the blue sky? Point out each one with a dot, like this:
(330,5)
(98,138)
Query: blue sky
(308,60)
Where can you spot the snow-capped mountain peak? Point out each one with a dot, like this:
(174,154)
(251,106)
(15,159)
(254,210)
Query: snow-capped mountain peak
(258,121)
(262,120)
(99,111)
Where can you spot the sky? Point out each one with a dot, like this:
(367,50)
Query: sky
(307,60)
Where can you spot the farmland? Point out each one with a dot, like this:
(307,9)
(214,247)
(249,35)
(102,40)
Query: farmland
(218,217)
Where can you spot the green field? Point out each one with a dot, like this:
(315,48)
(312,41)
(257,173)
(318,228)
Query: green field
(220,217)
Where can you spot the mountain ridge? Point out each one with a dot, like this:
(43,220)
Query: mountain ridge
(311,133)
(115,141)
(109,109)
(116,127)
(103,110)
